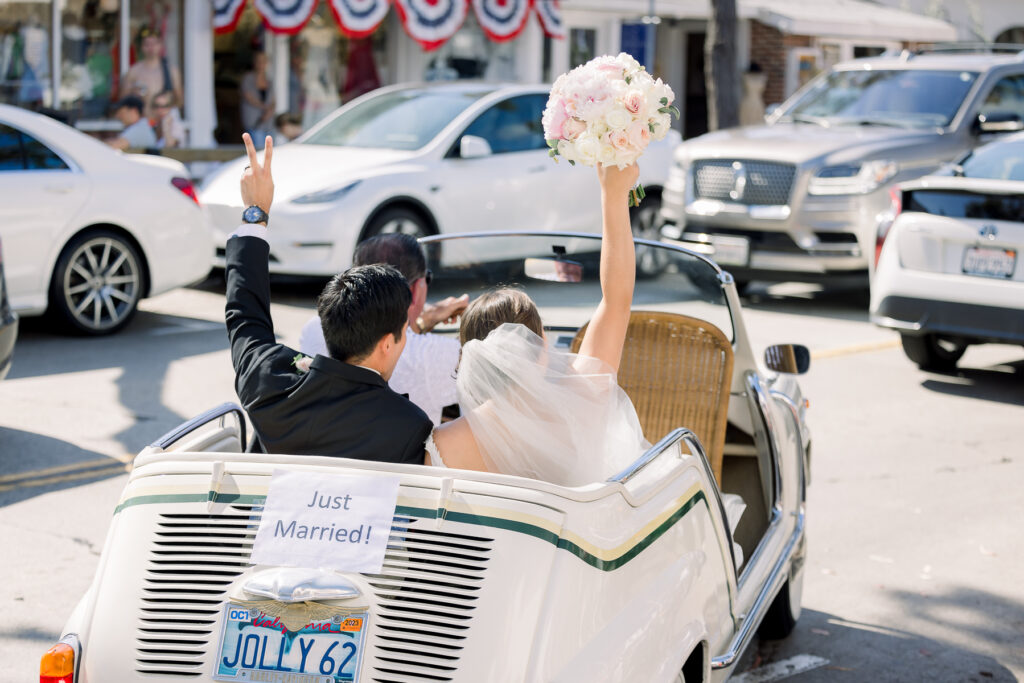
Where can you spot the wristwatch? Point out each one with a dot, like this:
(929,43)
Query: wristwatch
(254,214)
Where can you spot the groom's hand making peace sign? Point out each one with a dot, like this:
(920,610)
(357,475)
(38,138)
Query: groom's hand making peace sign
(257,183)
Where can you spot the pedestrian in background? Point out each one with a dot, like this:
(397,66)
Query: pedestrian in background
(137,133)
(152,74)
(257,100)
(167,124)
(287,127)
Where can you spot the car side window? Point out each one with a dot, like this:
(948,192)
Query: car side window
(1007,95)
(20,151)
(10,150)
(512,125)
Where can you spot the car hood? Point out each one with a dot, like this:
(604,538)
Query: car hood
(299,169)
(799,143)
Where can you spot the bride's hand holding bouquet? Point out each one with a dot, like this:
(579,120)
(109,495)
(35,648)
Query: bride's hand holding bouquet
(606,112)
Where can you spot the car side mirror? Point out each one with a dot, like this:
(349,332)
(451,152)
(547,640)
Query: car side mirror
(998,122)
(793,359)
(474,147)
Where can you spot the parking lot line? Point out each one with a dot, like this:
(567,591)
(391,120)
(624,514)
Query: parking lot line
(112,468)
(87,464)
(855,348)
(777,671)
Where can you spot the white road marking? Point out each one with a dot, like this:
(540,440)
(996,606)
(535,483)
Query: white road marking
(191,326)
(776,671)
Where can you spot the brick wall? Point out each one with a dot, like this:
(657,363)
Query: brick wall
(769,47)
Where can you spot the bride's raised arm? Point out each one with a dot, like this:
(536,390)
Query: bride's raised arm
(606,333)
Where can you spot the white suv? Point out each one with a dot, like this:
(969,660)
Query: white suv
(798,198)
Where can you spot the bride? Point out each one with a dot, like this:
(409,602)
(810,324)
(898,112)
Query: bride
(534,411)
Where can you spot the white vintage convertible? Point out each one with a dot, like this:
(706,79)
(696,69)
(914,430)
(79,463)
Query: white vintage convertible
(652,575)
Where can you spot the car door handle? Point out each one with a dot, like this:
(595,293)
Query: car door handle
(59,189)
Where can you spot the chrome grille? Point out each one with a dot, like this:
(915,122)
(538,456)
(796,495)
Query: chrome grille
(765,182)
(424,597)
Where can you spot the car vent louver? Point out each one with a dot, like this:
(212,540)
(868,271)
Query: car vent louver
(424,598)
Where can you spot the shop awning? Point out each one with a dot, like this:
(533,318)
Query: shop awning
(429,22)
(846,19)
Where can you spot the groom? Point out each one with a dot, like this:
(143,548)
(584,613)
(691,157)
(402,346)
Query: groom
(342,406)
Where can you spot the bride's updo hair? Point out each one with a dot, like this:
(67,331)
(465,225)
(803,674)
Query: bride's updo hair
(496,307)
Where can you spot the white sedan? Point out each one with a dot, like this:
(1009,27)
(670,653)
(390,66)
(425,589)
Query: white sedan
(88,231)
(949,273)
(424,160)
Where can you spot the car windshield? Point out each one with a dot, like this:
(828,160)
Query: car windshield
(403,120)
(900,97)
(680,282)
(999,161)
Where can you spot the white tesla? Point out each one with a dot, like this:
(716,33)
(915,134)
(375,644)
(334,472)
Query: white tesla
(424,160)
(89,231)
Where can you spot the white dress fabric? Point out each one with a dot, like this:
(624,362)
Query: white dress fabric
(425,371)
(543,413)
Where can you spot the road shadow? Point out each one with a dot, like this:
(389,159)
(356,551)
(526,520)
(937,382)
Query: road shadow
(32,464)
(843,299)
(284,289)
(1003,383)
(879,653)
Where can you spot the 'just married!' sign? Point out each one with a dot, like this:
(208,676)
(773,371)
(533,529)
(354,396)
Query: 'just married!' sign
(339,522)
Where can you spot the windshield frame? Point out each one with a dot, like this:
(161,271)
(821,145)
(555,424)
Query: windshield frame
(723,276)
(784,113)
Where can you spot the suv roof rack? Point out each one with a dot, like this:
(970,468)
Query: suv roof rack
(965,47)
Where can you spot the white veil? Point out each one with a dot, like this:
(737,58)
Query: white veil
(543,413)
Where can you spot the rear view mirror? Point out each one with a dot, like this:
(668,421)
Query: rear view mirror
(474,147)
(793,359)
(999,122)
(553,269)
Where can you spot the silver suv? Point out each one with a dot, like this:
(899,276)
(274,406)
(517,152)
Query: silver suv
(800,197)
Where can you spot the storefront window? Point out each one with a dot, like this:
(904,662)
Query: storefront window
(155,31)
(25,73)
(89,57)
(582,46)
(469,54)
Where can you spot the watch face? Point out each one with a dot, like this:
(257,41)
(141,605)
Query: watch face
(254,214)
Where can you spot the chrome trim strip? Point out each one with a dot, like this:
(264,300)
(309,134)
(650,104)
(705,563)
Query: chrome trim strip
(797,424)
(198,421)
(883,321)
(768,593)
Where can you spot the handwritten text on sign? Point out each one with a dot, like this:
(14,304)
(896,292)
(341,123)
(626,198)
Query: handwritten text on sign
(334,521)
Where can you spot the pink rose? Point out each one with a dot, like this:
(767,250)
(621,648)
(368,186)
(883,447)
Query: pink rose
(554,119)
(619,139)
(639,135)
(635,102)
(572,128)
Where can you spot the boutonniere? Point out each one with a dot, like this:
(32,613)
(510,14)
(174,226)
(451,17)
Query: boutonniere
(301,362)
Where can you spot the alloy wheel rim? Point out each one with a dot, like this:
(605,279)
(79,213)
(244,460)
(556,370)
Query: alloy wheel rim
(101,283)
(405,226)
(649,260)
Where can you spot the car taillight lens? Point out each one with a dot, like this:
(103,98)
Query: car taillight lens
(186,187)
(58,664)
(886,219)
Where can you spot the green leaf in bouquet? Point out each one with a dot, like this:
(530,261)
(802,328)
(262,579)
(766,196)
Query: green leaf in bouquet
(675,111)
(628,79)
(664,100)
(651,127)
(551,142)
(571,162)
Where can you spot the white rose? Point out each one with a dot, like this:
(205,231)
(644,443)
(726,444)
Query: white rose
(588,149)
(618,118)
(607,155)
(567,150)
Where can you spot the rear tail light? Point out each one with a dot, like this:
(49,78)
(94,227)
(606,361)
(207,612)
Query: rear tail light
(186,187)
(886,219)
(58,664)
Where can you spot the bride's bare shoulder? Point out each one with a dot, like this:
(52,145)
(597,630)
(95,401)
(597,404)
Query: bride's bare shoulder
(458,448)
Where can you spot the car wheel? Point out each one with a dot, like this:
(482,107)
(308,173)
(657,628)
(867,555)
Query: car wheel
(646,221)
(397,220)
(97,283)
(781,617)
(932,352)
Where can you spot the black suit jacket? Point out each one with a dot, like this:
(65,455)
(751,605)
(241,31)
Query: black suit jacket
(334,409)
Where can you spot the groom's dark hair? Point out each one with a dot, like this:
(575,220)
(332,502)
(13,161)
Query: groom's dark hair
(395,249)
(360,306)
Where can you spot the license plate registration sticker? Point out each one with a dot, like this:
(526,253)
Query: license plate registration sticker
(257,647)
(730,251)
(989,262)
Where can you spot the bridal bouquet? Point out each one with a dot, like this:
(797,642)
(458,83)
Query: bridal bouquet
(607,111)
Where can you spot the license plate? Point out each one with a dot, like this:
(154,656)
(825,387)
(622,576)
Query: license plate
(257,647)
(989,262)
(730,251)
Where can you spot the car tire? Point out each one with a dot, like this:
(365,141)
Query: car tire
(646,222)
(781,617)
(97,283)
(397,219)
(932,352)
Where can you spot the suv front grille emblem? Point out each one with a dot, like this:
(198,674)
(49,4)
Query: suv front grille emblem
(739,181)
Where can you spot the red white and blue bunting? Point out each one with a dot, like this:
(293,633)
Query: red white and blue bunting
(550,15)
(286,16)
(432,22)
(226,14)
(359,18)
(429,22)
(502,20)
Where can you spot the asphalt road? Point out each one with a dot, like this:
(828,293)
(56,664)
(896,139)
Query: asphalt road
(916,560)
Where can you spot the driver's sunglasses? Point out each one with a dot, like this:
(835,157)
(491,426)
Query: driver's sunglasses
(428,277)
